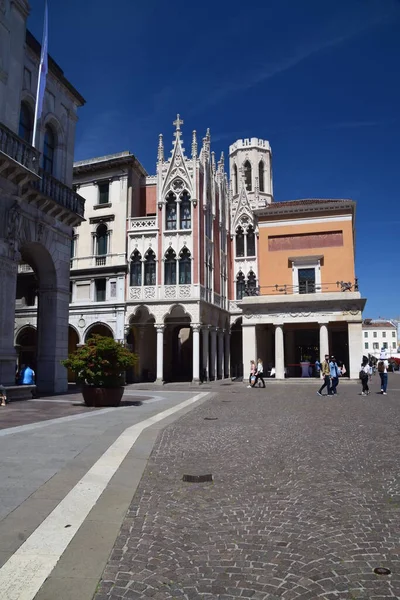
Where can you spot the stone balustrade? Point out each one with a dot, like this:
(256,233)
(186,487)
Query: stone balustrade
(18,149)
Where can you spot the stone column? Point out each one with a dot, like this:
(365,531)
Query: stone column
(8,285)
(220,360)
(227,341)
(355,349)
(160,352)
(213,354)
(52,345)
(249,349)
(279,353)
(196,353)
(205,361)
(323,341)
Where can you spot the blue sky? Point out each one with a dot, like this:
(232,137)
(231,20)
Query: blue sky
(318,79)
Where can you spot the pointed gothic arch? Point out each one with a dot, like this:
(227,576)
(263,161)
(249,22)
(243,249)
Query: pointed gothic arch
(250,241)
(185,211)
(239,242)
(150,268)
(240,285)
(251,283)
(185,267)
(135,272)
(170,267)
(170,212)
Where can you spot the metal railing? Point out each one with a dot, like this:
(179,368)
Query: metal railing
(307,287)
(60,193)
(18,149)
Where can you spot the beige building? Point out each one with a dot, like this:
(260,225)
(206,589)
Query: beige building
(379,335)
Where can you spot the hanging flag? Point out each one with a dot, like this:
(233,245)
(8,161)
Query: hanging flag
(43,68)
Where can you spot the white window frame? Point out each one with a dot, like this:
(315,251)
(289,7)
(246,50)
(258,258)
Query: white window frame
(303,263)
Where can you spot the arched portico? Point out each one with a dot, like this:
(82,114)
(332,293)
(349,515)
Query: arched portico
(98,328)
(141,339)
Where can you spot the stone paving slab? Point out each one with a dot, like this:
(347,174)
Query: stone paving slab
(304,504)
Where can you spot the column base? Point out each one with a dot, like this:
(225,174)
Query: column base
(195,382)
(159,381)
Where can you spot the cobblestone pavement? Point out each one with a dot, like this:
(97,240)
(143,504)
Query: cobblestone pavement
(305,501)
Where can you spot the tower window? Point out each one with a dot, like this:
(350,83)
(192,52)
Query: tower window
(261,175)
(247,175)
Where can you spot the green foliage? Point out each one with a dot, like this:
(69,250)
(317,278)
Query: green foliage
(100,362)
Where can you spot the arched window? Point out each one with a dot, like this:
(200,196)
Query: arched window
(239,242)
(25,123)
(240,285)
(235,180)
(136,269)
(101,240)
(247,175)
(49,150)
(73,245)
(251,283)
(251,241)
(150,268)
(261,175)
(185,212)
(170,212)
(185,267)
(170,267)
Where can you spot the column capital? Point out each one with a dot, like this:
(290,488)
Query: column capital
(159,326)
(196,326)
(278,325)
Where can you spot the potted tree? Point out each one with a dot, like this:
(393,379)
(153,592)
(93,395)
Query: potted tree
(99,365)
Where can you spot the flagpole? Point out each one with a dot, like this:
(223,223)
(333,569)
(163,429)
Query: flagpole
(41,85)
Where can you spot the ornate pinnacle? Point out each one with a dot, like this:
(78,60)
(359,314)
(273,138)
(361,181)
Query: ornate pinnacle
(178,122)
(194,144)
(160,154)
(213,161)
(222,161)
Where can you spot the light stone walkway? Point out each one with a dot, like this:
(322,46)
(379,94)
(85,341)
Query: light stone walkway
(305,501)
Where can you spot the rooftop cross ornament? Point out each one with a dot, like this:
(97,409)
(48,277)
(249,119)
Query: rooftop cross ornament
(178,122)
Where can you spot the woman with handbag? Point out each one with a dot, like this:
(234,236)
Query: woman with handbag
(252,376)
(259,373)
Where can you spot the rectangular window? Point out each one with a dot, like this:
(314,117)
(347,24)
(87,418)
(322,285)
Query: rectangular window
(70,291)
(376,346)
(366,345)
(365,334)
(104,193)
(113,289)
(385,345)
(393,334)
(306,281)
(384,334)
(394,345)
(375,334)
(27,79)
(100,285)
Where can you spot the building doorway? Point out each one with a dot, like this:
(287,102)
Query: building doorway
(236,353)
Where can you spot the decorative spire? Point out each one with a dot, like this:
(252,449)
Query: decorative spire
(178,122)
(213,161)
(160,154)
(222,162)
(194,144)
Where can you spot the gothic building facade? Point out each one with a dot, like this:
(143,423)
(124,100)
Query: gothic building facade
(178,265)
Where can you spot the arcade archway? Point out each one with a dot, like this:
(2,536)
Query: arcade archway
(178,346)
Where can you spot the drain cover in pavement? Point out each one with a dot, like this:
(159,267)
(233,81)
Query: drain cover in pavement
(211,418)
(382,571)
(197,478)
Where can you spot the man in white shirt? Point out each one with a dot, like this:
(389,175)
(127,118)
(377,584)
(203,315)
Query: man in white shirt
(383,373)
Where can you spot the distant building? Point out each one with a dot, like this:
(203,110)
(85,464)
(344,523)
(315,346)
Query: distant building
(378,335)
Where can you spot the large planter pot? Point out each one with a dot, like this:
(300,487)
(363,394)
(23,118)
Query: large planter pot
(100,396)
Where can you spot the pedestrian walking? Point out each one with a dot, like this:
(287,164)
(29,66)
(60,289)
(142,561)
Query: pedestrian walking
(28,376)
(325,371)
(259,373)
(3,395)
(317,366)
(334,374)
(252,376)
(364,374)
(383,372)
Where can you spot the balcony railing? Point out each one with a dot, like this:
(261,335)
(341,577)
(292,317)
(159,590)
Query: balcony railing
(306,287)
(18,149)
(59,193)
(142,223)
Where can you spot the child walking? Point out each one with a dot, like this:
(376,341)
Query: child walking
(364,374)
